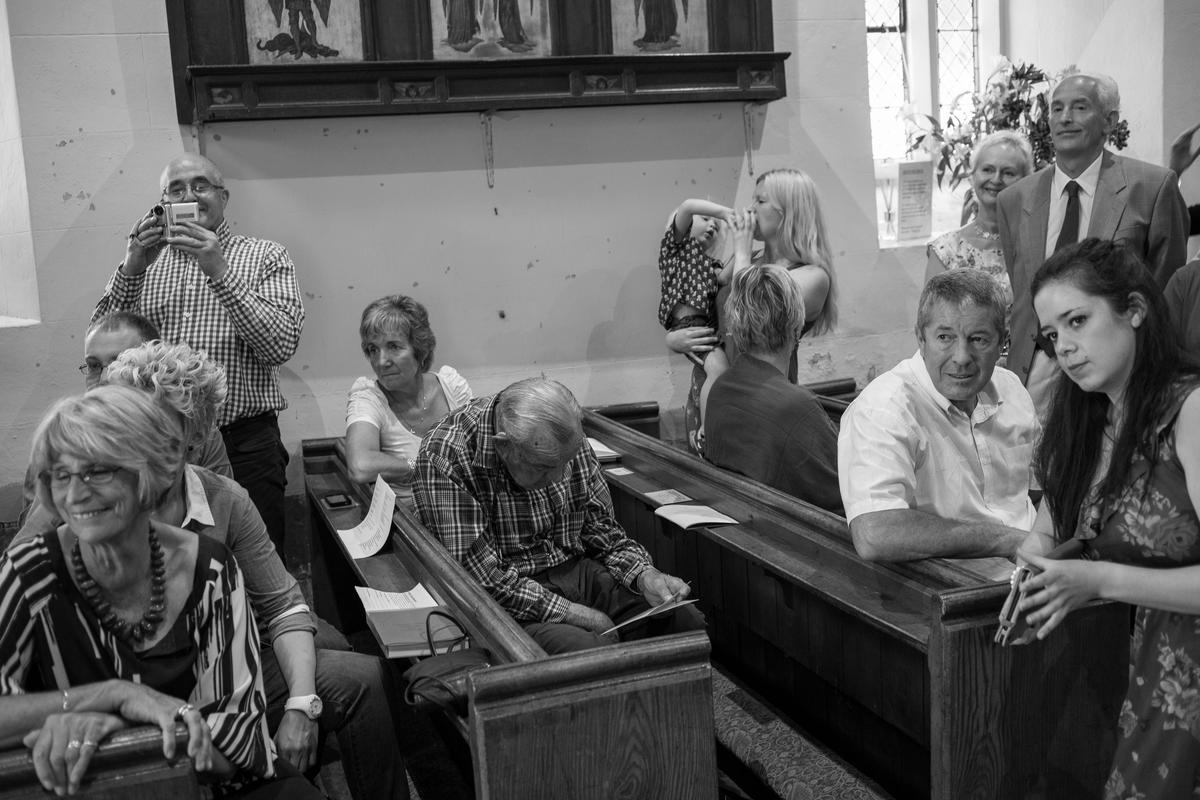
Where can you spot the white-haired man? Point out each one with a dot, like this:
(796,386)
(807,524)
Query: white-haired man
(510,488)
(1088,191)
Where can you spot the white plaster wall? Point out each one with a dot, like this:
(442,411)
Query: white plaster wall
(1181,100)
(1123,38)
(18,283)
(565,245)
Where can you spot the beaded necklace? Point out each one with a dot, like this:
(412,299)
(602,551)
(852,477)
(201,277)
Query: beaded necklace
(986,234)
(132,633)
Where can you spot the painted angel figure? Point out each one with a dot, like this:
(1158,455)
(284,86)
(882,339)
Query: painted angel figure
(303,26)
(662,23)
(462,24)
(513,38)
(463,28)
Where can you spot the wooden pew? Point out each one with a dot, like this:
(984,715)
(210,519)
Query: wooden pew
(629,720)
(891,665)
(129,765)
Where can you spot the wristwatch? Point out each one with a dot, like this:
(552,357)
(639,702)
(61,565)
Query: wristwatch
(310,704)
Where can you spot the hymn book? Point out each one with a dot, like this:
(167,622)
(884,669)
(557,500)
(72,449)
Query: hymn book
(686,516)
(398,621)
(604,453)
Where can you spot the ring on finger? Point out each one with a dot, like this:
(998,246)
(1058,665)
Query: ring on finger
(73,744)
(184,709)
(88,743)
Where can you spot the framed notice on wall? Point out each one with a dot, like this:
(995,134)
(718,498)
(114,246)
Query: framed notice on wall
(277,59)
(914,199)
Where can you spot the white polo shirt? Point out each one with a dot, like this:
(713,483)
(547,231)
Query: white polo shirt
(902,445)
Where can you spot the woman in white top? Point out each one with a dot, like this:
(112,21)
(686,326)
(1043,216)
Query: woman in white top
(387,416)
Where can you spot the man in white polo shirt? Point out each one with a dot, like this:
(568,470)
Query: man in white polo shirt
(934,456)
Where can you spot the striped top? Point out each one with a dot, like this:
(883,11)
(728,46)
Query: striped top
(51,639)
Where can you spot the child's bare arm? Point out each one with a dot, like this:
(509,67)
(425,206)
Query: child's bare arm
(726,273)
(693,206)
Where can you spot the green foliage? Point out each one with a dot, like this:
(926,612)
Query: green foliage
(1015,97)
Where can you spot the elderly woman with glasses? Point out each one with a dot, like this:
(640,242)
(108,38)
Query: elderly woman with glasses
(387,416)
(116,619)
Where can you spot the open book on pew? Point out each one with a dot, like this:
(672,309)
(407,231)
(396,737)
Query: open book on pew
(604,453)
(398,621)
(689,516)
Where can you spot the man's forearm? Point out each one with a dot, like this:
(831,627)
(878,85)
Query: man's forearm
(908,535)
(297,657)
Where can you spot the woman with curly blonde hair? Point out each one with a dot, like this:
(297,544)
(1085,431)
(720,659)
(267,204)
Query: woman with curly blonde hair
(189,383)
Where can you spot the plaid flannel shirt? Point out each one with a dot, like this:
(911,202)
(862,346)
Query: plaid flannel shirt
(249,321)
(502,534)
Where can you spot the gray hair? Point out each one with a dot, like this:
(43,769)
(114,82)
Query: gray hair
(958,287)
(540,417)
(185,379)
(1011,138)
(401,313)
(1108,96)
(765,310)
(117,426)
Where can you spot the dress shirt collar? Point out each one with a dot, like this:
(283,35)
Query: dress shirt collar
(1087,180)
(988,401)
(223,233)
(195,501)
(486,456)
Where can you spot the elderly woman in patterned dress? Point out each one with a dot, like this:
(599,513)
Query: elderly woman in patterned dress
(999,160)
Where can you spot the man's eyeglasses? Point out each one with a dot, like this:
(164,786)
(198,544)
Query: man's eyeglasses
(95,475)
(90,369)
(199,188)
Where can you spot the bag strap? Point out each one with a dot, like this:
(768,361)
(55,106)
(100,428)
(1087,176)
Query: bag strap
(459,642)
(415,691)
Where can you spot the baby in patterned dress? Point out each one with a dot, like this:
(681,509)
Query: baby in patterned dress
(690,277)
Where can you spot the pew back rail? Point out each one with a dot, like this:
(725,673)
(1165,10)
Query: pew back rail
(129,765)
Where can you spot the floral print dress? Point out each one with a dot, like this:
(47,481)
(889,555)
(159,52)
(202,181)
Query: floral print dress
(1153,524)
(953,250)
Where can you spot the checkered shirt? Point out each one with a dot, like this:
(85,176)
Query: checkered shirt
(502,534)
(249,321)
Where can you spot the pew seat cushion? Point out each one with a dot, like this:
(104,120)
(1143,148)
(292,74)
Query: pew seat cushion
(779,754)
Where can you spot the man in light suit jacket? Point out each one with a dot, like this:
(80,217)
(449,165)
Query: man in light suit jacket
(1114,198)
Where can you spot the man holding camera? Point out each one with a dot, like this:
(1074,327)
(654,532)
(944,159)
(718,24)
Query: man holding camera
(234,297)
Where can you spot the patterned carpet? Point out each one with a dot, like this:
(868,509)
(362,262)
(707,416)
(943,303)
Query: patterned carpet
(789,763)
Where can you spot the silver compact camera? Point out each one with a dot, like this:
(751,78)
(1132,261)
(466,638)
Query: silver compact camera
(169,214)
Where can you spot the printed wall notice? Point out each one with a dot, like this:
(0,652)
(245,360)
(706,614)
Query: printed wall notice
(914,201)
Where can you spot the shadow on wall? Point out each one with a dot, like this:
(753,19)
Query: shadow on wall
(345,148)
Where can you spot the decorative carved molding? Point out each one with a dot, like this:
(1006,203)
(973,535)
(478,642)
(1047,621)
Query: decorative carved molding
(227,93)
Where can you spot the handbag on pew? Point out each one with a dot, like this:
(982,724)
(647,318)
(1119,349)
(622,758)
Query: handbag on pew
(440,681)
(1014,629)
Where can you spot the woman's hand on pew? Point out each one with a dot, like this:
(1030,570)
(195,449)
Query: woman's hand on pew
(658,587)
(590,619)
(138,703)
(63,747)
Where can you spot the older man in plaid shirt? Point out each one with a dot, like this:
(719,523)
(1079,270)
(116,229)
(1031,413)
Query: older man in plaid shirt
(513,493)
(235,298)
